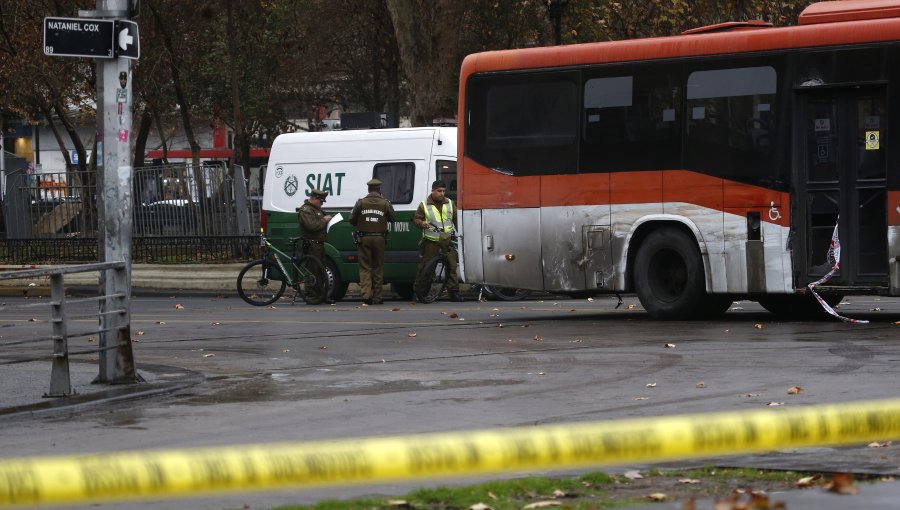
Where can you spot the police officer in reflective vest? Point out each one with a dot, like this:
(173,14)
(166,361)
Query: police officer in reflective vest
(437,216)
(313,228)
(370,216)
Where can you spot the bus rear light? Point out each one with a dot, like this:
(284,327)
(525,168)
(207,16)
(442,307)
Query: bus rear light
(510,257)
(263,222)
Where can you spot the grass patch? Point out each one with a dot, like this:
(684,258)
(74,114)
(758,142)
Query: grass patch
(592,491)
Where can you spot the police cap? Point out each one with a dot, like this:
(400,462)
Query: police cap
(317,193)
(374,183)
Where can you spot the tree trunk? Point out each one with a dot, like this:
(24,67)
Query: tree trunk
(184,107)
(428,34)
(140,142)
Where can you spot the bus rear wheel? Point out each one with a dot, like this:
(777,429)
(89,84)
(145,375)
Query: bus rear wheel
(669,276)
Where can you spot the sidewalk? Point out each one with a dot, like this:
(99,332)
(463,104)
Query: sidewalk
(159,277)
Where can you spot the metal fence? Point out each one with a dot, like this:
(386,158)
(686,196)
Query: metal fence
(182,213)
(106,326)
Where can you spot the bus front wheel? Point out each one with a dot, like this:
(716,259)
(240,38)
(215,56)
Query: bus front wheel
(668,275)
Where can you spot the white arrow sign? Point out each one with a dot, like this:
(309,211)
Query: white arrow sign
(125,39)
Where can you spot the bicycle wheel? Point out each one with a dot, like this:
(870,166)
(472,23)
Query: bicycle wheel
(314,279)
(432,279)
(260,283)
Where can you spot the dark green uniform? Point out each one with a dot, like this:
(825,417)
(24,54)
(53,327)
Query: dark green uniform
(313,228)
(370,216)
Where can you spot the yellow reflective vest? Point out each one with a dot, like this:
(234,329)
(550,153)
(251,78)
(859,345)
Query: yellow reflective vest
(442,219)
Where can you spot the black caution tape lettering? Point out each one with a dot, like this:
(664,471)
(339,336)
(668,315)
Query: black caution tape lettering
(108,478)
(430,457)
(210,473)
(638,442)
(19,487)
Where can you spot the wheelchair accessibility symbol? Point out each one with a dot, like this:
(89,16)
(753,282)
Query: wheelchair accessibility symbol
(872,140)
(774,214)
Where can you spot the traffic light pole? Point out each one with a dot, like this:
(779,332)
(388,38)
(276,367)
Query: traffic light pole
(115,201)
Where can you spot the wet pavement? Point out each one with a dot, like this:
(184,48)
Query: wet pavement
(361,360)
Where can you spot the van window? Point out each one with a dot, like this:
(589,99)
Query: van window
(446,171)
(397,181)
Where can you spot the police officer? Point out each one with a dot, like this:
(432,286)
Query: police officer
(436,215)
(313,229)
(370,216)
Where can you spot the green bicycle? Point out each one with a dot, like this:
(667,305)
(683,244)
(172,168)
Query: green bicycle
(263,281)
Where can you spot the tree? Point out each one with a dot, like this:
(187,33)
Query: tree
(428,35)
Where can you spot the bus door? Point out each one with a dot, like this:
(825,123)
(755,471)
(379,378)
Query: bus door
(842,182)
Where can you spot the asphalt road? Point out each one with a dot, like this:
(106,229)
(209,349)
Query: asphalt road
(297,372)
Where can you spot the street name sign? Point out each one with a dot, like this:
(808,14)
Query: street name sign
(79,37)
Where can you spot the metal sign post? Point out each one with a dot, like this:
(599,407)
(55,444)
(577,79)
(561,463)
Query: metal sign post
(116,43)
(114,132)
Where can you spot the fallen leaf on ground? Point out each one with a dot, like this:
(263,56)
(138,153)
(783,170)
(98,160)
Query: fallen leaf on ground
(537,338)
(491,495)
(876,444)
(657,496)
(480,506)
(559,494)
(807,481)
(633,475)
(689,481)
(841,483)
(401,503)
(631,307)
(641,398)
(286,350)
(179,307)
(775,404)
(876,309)
(411,335)
(669,346)
(140,333)
(651,385)
(323,347)
(453,315)
(758,326)
(160,322)
(210,355)
(794,390)
(700,384)
(542,504)
(216,323)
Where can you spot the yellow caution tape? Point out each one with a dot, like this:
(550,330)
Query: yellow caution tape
(174,473)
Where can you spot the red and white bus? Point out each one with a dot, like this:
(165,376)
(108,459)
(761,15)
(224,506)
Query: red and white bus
(692,170)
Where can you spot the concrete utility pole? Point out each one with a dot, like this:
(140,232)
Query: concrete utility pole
(114,146)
